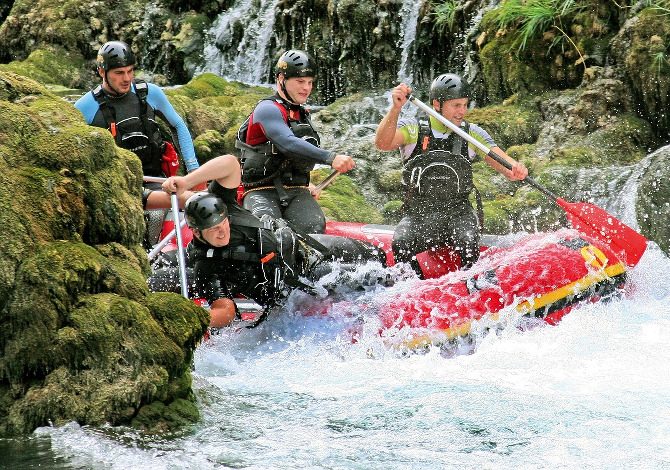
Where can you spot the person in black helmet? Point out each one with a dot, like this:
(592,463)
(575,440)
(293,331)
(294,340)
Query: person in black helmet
(128,109)
(279,147)
(235,253)
(437,173)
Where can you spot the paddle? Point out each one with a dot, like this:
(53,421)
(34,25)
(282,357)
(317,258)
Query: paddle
(586,218)
(180,247)
(329,179)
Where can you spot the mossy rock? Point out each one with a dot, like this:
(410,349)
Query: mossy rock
(652,204)
(642,47)
(52,65)
(209,84)
(343,201)
(82,337)
(509,124)
(208,145)
(393,211)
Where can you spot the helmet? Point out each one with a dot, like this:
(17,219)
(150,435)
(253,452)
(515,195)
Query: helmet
(204,210)
(295,63)
(449,86)
(114,54)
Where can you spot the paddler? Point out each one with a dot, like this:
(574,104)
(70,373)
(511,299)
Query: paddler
(279,147)
(235,253)
(437,173)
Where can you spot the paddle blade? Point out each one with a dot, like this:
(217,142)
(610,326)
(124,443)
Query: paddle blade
(595,222)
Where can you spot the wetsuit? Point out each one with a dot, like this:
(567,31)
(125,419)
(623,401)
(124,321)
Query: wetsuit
(279,148)
(258,263)
(138,131)
(437,177)
(131,120)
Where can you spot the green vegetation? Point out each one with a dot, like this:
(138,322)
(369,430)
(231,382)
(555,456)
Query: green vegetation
(444,15)
(530,19)
(343,201)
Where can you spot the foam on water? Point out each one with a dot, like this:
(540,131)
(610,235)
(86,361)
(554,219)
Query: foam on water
(591,392)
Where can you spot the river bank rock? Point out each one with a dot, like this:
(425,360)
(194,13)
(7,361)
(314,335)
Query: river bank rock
(82,337)
(653,199)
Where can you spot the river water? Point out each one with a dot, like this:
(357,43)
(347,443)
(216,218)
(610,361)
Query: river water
(591,392)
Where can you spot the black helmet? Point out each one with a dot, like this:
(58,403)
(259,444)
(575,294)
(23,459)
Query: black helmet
(449,86)
(204,210)
(114,54)
(295,63)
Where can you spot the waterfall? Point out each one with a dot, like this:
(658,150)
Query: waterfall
(244,62)
(410,15)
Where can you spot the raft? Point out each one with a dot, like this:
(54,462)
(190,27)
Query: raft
(542,275)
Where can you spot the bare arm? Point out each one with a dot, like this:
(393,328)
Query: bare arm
(224,169)
(388,137)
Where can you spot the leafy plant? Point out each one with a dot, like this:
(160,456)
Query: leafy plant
(444,15)
(660,61)
(531,18)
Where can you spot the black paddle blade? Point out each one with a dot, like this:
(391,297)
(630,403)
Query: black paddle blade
(593,221)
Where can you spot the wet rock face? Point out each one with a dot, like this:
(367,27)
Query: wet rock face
(653,199)
(81,336)
(642,51)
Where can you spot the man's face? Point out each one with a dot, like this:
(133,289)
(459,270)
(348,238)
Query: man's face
(118,79)
(453,110)
(219,235)
(299,88)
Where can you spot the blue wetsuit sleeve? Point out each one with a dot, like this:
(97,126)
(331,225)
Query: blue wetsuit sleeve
(157,99)
(271,119)
(87,106)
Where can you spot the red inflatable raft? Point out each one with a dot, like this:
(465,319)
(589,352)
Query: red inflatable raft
(543,275)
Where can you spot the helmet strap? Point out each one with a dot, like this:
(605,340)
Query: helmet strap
(108,86)
(288,97)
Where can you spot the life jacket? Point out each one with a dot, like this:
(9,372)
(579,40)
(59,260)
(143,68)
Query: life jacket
(262,164)
(140,134)
(263,267)
(438,173)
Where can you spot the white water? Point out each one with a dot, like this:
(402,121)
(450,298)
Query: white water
(409,11)
(244,62)
(592,392)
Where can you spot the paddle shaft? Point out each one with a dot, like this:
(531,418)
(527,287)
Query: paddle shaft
(153,179)
(490,153)
(180,247)
(329,179)
(161,244)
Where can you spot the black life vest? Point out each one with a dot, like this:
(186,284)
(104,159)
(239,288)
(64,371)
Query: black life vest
(138,130)
(262,164)
(260,263)
(438,173)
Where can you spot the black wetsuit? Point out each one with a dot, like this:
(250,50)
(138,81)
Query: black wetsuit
(256,263)
(279,149)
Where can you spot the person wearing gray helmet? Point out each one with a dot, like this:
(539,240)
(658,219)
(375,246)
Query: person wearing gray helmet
(437,172)
(279,147)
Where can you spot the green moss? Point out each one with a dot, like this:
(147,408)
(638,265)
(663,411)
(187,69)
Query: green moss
(343,201)
(647,63)
(183,321)
(390,181)
(208,145)
(159,418)
(509,124)
(209,84)
(50,65)
(392,211)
